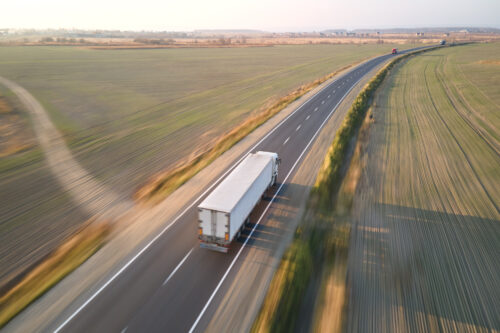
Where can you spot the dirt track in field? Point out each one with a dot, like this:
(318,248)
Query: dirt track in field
(86,191)
(425,244)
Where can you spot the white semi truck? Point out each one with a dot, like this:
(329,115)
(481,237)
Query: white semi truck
(224,212)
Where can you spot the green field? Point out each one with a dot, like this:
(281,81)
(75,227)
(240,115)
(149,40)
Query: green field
(145,107)
(127,114)
(425,245)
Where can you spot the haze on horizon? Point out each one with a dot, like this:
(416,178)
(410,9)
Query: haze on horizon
(270,15)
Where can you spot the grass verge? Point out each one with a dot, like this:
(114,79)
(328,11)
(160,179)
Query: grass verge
(164,183)
(55,267)
(332,296)
(322,237)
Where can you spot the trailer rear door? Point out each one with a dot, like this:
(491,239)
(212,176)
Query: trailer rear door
(222,223)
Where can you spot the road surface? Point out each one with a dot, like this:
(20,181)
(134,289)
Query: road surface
(173,285)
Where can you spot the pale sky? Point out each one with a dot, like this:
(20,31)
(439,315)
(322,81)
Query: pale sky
(269,15)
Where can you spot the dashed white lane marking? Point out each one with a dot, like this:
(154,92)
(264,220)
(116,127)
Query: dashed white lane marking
(207,304)
(124,330)
(298,127)
(329,96)
(178,266)
(309,116)
(315,109)
(322,102)
(284,143)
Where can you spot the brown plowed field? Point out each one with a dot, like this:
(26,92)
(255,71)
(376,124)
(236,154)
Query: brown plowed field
(425,247)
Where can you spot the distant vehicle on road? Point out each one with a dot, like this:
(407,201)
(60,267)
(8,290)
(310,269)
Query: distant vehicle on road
(224,212)
(443,42)
(394,51)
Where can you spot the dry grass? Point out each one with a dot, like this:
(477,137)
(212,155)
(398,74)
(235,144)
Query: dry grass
(133,46)
(13,148)
(282,278)
(61,262)
(13,133)
(329,312)
(4,106)
(165,183)
(489,62)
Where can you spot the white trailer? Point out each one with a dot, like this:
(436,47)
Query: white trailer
(223,213)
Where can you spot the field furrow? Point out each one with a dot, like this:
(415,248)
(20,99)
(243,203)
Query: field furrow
(426,237)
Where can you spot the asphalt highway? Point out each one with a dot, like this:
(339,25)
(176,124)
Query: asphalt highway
(174,285)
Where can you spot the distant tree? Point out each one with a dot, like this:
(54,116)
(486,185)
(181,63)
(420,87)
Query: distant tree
(225,41)
(82,41)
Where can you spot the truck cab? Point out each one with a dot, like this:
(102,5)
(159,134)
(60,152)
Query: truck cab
(276,161)
(394,51)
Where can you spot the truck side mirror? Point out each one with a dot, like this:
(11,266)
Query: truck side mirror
(278,161)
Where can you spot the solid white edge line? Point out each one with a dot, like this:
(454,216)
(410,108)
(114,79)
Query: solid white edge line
(134,258)
(265,210)
(177,267)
